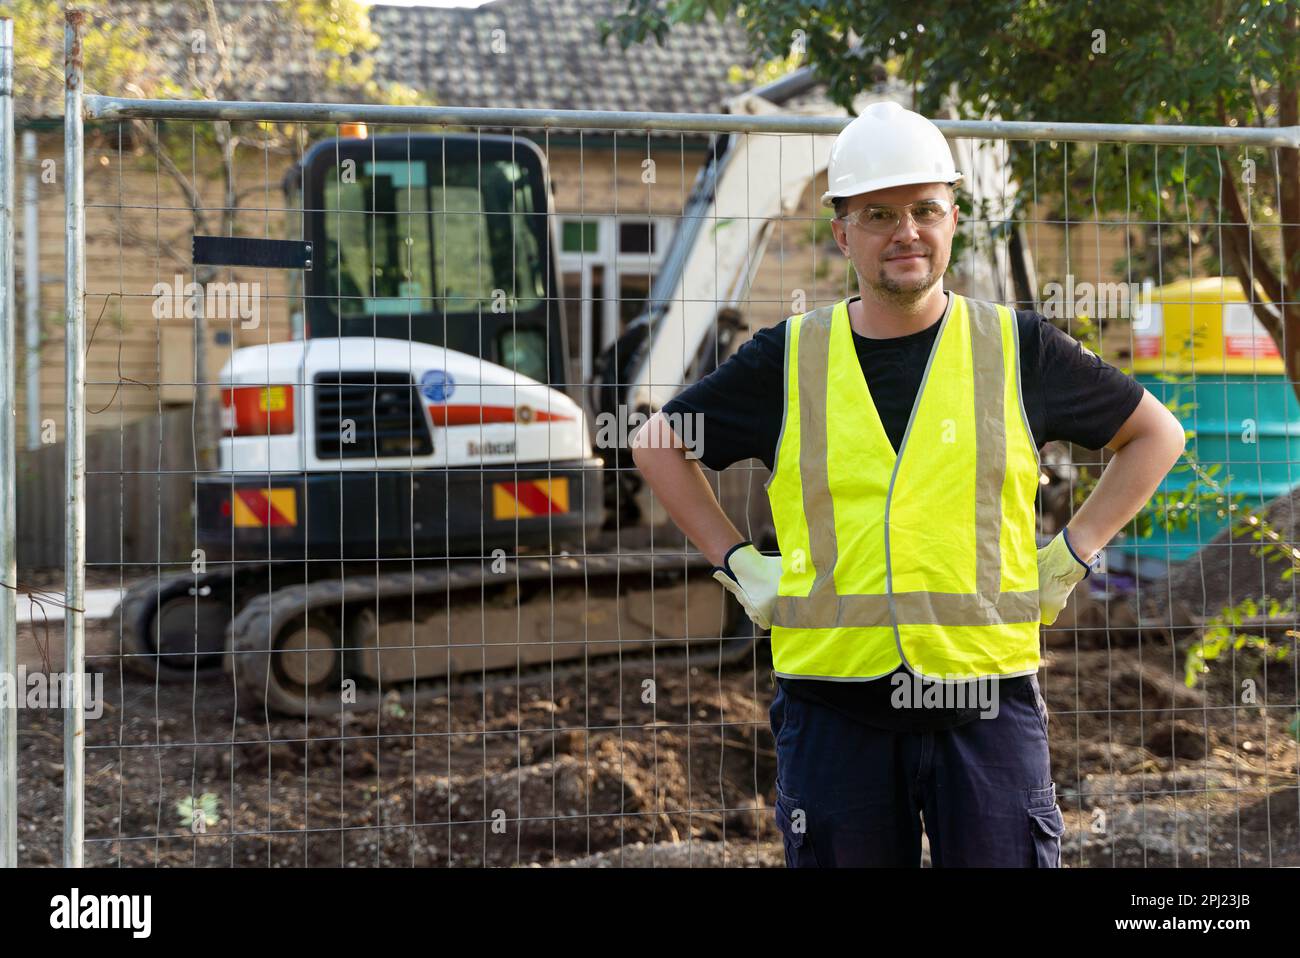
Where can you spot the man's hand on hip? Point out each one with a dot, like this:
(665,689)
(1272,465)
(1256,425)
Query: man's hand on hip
(753,579)
(1059,571)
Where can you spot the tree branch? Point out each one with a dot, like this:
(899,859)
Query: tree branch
(165,161)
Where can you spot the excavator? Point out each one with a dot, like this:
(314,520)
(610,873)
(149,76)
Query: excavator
(410,489)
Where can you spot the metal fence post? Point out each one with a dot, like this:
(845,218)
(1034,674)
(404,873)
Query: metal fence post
(32,286)
(8,473)
(74,662)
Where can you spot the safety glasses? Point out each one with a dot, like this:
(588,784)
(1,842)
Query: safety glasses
(883,219)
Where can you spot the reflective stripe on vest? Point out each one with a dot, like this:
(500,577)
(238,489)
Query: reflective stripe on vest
(927,556)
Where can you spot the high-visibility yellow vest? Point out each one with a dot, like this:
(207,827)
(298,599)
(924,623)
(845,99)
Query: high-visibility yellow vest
(926,557)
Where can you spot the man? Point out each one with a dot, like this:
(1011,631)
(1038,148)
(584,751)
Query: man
(902,428)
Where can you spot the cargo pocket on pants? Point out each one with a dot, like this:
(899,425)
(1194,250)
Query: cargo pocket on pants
(792,822)
(1046,826)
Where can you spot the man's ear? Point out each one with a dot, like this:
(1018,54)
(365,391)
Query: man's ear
(841,236)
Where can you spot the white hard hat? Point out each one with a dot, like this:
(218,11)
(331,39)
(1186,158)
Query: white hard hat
(887,146)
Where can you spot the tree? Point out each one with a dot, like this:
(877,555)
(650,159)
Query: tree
(1199,62)
(109,53)
(332,39)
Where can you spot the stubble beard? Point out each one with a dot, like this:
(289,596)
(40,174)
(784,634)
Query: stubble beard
(907,295)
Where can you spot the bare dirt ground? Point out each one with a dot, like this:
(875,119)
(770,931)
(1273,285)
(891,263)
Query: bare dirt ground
(588,772)
(523,772)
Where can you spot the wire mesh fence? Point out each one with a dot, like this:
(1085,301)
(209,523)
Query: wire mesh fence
(358,567)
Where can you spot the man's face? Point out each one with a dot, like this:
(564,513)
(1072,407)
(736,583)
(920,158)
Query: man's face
(900,267)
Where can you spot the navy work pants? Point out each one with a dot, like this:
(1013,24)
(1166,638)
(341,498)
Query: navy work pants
(849,794)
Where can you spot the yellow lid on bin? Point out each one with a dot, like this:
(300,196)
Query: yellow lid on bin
(1203,326)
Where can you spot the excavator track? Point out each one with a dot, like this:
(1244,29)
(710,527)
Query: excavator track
(175,626)
(314,648)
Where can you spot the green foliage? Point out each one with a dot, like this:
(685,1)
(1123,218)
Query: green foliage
(767,71)
(198,815)
(1018,60)
(117,57)
(819,231)
(112,53)
(341,35)
(1224,632)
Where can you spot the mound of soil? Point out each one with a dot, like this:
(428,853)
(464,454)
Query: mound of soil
(1231,568)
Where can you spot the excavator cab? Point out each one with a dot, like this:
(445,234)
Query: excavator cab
(434,238)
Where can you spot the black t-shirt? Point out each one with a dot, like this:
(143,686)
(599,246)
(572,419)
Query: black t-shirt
(1069,394)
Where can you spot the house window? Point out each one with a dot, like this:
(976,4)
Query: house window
(580,236)
(636,236)
(608,262)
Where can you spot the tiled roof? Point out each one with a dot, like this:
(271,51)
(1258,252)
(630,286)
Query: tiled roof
(545,55)
(548,56)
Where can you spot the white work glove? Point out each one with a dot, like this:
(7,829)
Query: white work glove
(1059,571)
(753,579)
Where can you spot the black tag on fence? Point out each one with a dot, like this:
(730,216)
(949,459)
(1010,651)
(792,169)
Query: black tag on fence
(249,251)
